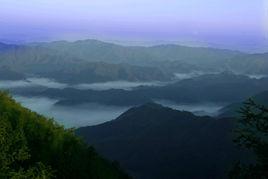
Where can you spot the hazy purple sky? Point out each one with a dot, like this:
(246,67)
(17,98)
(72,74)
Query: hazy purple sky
(230,23)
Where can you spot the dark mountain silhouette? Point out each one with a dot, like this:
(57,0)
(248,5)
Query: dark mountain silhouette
(152,141)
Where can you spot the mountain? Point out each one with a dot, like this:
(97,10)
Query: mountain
(162,56)
(232,110)
(87,61)
(173,58)
(32,146)
(4,46)
(45,62)
(7,74)
(250,63)
(152,141)
(170,57)
(214,88)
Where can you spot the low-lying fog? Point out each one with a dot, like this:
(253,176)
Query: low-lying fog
(49,83)
(257,76)
(31,82)
(127,85)
(84,115)
(184,76)
(92,114)
(200,109)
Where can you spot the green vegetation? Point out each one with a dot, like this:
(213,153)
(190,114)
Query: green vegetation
(32,146)
(252,134)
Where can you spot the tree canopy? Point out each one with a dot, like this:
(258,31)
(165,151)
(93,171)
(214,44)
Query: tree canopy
(32,146)
(252,133)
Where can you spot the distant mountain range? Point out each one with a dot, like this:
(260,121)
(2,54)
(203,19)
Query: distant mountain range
(150,141)
(214,88)
(7,74)
(250,64)
(93,50)
(45,62)
(155,142)
(4,47)
(195,57)
(93,61)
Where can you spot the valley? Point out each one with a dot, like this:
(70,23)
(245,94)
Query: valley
(119,98)
(124,89)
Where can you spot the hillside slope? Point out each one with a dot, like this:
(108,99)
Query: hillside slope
(33,146)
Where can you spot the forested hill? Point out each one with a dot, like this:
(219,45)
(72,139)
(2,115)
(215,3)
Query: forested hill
(155,142)
(32,146)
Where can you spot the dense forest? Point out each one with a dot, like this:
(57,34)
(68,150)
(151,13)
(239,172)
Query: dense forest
(32,146)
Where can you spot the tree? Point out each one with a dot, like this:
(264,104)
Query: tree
(14,151)
(33,146)
(252,133)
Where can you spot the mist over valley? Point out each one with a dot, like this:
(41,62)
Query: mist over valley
(125,89)
(97,101)
(91,113)
(78,116)
(50,83)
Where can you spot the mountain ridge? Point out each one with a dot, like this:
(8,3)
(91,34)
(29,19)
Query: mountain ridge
(148,138)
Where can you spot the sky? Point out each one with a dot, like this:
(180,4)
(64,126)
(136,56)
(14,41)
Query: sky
(240,24)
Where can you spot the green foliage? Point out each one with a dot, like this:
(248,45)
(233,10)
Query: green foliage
(252,133)
(32,146)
